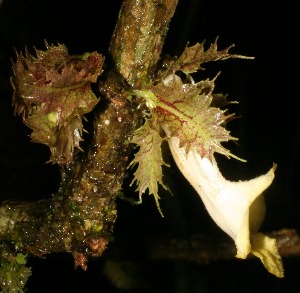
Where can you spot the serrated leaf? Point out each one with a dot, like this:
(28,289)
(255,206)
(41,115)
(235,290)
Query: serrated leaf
(149,159)
(52,92)
(186,111)
(194,56)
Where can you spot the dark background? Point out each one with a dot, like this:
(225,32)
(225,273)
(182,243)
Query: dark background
(267,89)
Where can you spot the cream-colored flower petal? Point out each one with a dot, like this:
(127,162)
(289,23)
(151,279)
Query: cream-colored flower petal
(265,248)
(238,208)
(253,218)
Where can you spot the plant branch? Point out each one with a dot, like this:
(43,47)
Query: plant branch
(80,217)
(145,24)
(199,248)
(205,249)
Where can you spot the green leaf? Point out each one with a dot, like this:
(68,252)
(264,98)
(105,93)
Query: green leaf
(185,109)
(194,56)
(14,273)
(149,159)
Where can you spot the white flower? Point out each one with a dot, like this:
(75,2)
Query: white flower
(238,208)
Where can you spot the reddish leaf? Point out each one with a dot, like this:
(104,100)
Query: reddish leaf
(52,92)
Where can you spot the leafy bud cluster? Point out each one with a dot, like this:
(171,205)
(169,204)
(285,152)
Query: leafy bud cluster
(189,110)
(52,91)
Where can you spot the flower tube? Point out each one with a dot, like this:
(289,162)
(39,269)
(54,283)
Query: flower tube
(238,208)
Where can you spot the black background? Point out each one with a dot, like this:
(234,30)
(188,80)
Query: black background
(267,89)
